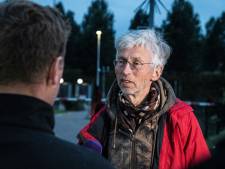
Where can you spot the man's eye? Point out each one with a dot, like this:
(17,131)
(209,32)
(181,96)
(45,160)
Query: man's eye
(121,62)
(136,63)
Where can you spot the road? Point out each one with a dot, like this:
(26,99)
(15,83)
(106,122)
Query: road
(68,124)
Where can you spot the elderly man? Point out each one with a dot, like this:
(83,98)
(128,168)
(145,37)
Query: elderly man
(144,125)
(32,47)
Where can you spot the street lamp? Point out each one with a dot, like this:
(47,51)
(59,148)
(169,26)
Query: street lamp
(80,81)
(98,33)
(77,87)
(61,81)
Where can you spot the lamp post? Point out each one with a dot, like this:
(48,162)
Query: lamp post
(98,33)
(77,89)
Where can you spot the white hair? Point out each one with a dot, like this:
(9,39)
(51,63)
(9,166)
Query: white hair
(148,38)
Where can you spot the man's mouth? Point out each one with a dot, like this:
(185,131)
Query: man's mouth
(125,81)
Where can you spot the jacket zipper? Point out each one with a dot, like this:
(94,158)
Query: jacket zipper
(154,144)
(132,162)
(132,154)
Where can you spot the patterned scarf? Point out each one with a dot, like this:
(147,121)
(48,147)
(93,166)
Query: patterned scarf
(132,117)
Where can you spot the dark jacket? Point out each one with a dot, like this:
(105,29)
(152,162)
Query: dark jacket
(27,140)
(179,142)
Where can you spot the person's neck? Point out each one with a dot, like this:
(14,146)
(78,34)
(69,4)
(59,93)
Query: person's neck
(16,89)
(137,98)
(33,90)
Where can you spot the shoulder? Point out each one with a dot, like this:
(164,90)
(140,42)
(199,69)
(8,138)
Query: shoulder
(68,155)
(101,112)
(183,121)
(180,110)
(93,134)
(83,157)
(181,115)
(37,149)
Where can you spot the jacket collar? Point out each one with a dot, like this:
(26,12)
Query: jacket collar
(26,111)
(167,97)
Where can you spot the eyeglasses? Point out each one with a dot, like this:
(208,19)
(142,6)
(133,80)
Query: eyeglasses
(134,65)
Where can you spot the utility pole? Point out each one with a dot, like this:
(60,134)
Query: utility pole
(151,13)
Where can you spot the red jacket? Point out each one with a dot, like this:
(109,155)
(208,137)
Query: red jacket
(180,145)
(183,143)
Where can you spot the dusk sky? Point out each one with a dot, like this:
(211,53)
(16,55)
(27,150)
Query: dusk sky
(123,10)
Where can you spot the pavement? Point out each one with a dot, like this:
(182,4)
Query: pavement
(68,124)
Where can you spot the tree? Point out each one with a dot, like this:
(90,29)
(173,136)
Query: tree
(140,20)
(97,18)
(72,68)
(73,43)
(60,7)
(214,55)
(182,31)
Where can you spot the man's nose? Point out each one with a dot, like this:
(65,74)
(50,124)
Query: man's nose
(126,69)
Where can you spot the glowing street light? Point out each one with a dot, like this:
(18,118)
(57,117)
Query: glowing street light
(98,33)
(80,81)
(61,81)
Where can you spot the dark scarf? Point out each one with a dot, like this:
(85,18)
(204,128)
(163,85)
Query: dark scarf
(132,117)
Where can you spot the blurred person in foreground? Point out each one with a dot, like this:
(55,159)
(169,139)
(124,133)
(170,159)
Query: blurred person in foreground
(143,124)
(32,49)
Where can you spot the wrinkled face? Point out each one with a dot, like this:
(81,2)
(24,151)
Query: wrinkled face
(134,70)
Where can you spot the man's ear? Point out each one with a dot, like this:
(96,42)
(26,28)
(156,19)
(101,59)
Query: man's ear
(157,72)
(56,71)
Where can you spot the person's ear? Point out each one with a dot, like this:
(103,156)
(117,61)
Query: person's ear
(157,72)
(56,71)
